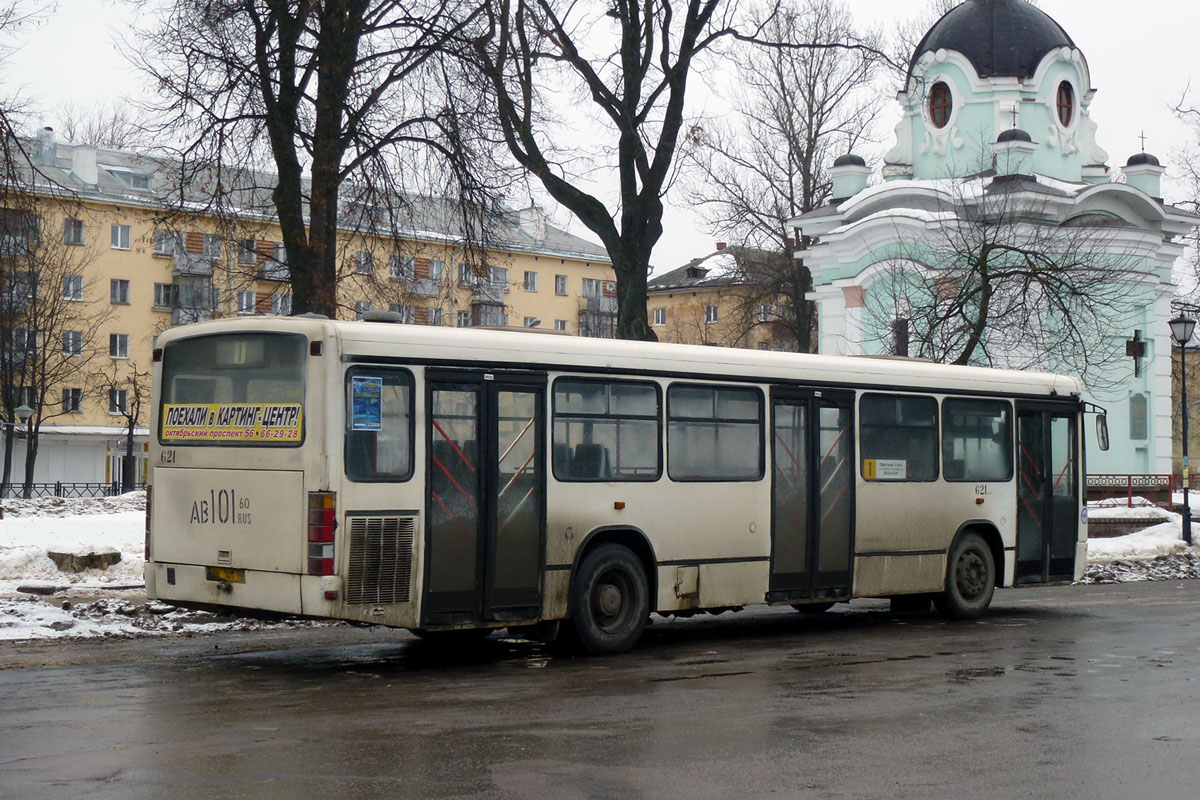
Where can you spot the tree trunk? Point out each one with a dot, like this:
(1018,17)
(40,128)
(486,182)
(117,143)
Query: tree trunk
(31,447)
(128,473)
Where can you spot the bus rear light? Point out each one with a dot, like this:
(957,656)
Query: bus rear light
(322,522)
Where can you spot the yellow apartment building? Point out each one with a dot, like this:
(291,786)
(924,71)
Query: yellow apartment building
(129,265)
(713,300)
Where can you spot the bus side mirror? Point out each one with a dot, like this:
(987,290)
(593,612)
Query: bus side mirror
(1102,431)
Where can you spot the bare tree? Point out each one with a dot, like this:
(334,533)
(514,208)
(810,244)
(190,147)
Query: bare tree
(50,333)
(125,389)
(996,277)
(795,110)
(318,94)
(625,67)
(112,126)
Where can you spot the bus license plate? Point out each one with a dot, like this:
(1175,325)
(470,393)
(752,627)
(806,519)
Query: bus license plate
(225,574)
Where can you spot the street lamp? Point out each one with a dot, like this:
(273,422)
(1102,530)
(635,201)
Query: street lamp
(1181,332)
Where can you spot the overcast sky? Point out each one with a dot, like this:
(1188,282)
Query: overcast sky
(1142,57)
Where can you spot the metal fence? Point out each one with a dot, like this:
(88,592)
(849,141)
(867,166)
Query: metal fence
(1157,488)
(62,489)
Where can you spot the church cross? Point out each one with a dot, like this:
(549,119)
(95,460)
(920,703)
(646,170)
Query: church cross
(1136,349)
(1143,138)
(1013,112)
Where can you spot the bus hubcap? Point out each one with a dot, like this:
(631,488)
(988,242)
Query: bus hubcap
(608,600)
(970,575)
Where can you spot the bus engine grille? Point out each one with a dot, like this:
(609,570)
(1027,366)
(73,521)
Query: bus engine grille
(381,559)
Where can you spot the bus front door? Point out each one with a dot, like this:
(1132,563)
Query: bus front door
(1047,493)
(812,495)
(485,498)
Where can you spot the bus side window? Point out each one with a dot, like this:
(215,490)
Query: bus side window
(898,437)
(379,425)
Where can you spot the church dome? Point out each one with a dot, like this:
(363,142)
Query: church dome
(1013,135)
(1001,38)
(1142,159)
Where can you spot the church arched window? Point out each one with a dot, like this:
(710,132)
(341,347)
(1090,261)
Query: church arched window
(940,104)
(1065,103)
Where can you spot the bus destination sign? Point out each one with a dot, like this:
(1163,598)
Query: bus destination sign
(233,422)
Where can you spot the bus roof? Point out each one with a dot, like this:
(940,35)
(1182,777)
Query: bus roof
(519,350)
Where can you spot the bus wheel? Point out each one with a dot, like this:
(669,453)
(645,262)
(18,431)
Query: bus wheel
(970,579)
(610,600)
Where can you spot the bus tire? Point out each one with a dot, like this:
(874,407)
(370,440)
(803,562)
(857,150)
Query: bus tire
(610,600)
(970,579)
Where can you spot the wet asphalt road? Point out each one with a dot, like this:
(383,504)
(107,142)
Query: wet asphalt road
(1072,692)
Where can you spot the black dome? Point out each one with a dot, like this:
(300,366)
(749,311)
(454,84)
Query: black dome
(849,160)
(1001,38)
(1138,159)
(1013,135)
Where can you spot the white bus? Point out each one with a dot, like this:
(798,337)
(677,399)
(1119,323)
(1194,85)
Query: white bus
(465,480)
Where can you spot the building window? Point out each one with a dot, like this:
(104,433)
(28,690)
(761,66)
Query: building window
(118,345)
(406,312)
(435,316)
(211,246)
(167,243)
(1139,423)
(899,435)
(608,431)
(364,262)
(464,319)
(530,281)
(118,401)
(490,314)
(941,102)
(560,285)
(764,312)
(590,287)
(360,308)
(120,237)
(437,270)
(466,274)
(400,268)
(72,400)
(532,322)
(714,433)
(118,291)
(246,302)
(166,295)
(281,305)
(72,287)
(1065,104)
(247,252)
(660,316)
(710,314)
(72,343)
(72,231)
(498,278)
(976,440)
(276,269)
(560,324)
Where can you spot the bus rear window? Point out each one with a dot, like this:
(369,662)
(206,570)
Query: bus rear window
(241,388)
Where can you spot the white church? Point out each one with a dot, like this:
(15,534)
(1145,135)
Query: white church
(1000,235)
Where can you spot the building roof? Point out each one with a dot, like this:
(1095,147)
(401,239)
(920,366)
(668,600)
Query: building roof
(728,266)
(138,179)
(1001,38)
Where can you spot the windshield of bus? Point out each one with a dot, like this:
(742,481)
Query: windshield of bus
(239,388)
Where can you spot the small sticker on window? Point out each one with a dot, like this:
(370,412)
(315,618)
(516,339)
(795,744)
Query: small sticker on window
(366,401)
(879,469)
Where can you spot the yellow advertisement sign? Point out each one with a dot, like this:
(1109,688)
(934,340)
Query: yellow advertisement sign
(233,422)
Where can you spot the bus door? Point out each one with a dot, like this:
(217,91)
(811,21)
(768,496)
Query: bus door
(485,495)
(1047,492)
(812,494)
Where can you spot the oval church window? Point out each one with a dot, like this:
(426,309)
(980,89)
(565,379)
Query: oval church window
(1065,103)
(940,104)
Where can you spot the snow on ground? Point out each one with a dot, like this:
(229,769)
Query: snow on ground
(37,601)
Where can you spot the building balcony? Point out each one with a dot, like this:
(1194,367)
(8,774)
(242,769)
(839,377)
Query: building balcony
(193,264)
(599,305)
(488,293)
(422,287)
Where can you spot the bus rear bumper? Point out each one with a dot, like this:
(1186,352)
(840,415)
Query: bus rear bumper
(188,584)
